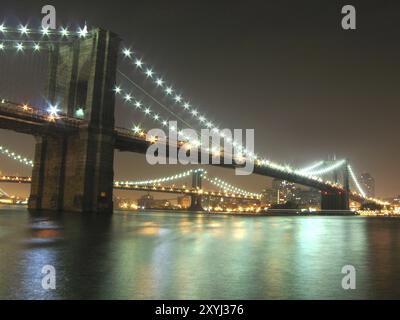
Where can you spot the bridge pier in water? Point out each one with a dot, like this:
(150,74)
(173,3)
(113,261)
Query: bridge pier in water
(195,204)
(334,199)
(73,171)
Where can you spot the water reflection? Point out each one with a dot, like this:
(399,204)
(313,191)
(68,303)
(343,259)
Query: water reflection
(184,256)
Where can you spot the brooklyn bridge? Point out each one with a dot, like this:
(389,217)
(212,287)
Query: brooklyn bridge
(76,135)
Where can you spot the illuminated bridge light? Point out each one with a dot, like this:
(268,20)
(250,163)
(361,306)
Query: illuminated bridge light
(45,31)
(138,62)
(53,110)
(328,169)
(80,113)
(82,32)
(64,32)
(168,90)
(24,30)
(159,82)
(117,89)
(149,73)
(127,52)
(20,47)
(353,176)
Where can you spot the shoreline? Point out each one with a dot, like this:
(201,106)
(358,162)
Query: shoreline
(269,213)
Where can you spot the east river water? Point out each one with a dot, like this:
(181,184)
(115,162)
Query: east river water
(167,255)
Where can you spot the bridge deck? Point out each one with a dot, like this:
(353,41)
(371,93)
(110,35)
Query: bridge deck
(36,122)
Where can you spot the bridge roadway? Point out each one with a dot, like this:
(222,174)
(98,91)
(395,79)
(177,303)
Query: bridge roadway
(149,188)
(33,121)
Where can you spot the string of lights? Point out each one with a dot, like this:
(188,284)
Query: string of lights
(178,99)
(28,39)
(161,180)
(311,167)
(226,187)
(328,169)
(129,98)
(63,32)
(21,46)
(47,36)
(149,72)
(14,156)
(353,176)
(147,110)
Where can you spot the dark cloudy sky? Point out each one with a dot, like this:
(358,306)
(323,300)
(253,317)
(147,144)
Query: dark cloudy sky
(284,68)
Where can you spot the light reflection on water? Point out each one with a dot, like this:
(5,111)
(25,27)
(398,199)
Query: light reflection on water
(187,256)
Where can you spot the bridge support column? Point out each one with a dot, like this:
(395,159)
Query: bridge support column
(337,200)
(74,172)
(196,184)
(334,200)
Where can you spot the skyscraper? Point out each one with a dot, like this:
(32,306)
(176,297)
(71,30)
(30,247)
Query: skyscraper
(368,184)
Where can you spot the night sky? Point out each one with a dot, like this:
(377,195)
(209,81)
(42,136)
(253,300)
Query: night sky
(284,68)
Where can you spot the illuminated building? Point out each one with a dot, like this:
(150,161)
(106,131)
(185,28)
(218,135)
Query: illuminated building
(184,201)
(368,184)
(284,191)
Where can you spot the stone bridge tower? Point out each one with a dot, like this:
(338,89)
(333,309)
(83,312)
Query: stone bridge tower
(74,171)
